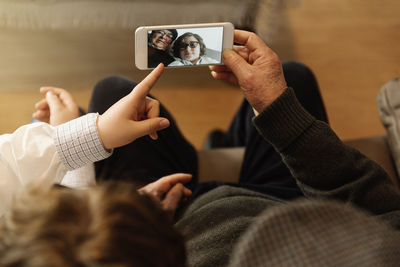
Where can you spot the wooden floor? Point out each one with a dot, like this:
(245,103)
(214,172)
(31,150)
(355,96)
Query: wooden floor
(351,45)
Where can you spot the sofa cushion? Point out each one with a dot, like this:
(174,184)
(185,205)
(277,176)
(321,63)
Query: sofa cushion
(220,164)
(388,101)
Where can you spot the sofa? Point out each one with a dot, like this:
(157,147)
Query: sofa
(260,15)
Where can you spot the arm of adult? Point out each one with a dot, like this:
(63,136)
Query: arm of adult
(323,166)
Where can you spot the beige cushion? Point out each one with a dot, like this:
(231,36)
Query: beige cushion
(388,101)
(222,164)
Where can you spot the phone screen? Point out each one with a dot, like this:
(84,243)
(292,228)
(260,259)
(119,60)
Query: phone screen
(185,47)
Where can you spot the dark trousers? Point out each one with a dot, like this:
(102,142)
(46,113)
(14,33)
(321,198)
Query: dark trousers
(146,160)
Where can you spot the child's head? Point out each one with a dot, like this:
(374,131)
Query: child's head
(108,225)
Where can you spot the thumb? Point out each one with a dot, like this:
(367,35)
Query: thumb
(150,126)
(235,62)
(172,199)
(53,101)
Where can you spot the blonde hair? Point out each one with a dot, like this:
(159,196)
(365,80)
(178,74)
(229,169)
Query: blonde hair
(109,225)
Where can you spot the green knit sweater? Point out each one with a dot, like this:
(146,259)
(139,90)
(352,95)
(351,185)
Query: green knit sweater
(322,165)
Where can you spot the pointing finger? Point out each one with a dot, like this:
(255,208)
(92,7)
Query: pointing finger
(173,197)
(144,87)
(177,178)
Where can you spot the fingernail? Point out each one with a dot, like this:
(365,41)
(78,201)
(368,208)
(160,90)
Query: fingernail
(44,88)
(164,123)
(227,52)
(49,93)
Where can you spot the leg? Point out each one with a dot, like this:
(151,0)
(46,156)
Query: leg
(143,160)
(262,167)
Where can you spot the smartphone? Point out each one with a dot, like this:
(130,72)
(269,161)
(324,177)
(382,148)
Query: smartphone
(182,45)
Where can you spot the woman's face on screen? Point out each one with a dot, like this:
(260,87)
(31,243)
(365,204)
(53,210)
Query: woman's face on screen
(161,39)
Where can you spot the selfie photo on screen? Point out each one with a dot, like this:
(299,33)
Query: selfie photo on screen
(159,42)
(185,47)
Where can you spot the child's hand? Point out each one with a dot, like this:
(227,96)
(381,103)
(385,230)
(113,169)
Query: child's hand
(169,191)
(57,107)
(133,116)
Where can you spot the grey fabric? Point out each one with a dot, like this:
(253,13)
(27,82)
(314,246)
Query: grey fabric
(325,169)
(388,102)
(214,221)
(323,166)
(317,233)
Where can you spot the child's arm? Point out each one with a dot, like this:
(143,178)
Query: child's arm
(40,153)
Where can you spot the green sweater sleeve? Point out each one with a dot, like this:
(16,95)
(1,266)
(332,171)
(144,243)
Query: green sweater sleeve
(322,165)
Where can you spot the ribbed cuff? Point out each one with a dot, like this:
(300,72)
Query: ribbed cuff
(78,142)
(283,121)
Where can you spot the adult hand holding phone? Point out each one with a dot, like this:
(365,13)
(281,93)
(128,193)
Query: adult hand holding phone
(255,68)
(133,116)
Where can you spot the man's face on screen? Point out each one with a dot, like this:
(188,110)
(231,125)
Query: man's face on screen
(161,39)
(190,49)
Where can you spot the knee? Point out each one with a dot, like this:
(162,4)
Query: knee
(297,73)
(108,91)
(113,83)
(296,68)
